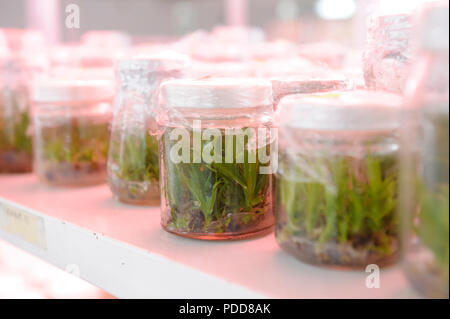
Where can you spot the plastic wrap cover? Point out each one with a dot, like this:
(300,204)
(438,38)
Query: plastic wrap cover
(143,77)
(387,55)
(314,83)
(218,98)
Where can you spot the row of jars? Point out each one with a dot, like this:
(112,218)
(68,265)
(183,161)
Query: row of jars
(335,174)
(332,189)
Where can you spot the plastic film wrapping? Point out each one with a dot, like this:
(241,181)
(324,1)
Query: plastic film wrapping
(143,76)
(429,74)
(337,178)
(313,83)
(215,98)
(387,56)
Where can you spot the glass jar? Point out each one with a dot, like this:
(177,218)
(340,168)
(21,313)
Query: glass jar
(133,161)
(337,180)
(425,160)
(15,140)
(71,131)
(217,158)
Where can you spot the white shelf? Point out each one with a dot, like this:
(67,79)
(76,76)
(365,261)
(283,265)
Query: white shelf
(123,250)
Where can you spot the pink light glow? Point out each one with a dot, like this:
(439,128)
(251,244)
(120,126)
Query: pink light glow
(236,12)
(43,15)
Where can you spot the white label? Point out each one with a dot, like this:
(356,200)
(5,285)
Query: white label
(22,224)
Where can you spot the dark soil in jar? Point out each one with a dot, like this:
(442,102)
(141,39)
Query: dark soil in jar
(231,226)
(82,174)
(339,210)
(333,254)
(14,162)
(216,200)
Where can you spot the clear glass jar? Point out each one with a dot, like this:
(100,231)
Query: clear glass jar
(71,131)
(15,137)
(425,160)
(133,160)
(209,191)
(337,181)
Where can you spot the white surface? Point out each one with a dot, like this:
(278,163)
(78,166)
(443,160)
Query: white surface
(123,250)
(25,276)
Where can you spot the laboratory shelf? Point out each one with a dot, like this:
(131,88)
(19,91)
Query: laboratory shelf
(123,250)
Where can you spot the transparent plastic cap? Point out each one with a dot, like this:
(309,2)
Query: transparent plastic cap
(71,90)
(341,111)
(216,93)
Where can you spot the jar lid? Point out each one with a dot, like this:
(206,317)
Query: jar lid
(71,90)
(216,93)
(351,110)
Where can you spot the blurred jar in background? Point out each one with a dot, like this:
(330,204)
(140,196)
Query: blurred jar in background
(15,140)
(71,131)
(387,53)
(22,58)
(425,164)
(133,161)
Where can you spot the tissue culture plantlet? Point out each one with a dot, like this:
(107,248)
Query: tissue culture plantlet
(74,152)
(338,210)
(133,171)
(217,198)
(15,142)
